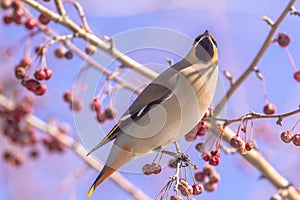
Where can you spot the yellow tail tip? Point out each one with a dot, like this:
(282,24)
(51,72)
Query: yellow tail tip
(89,194)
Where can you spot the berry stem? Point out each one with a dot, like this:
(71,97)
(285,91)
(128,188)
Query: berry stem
(291,59)
(295,125)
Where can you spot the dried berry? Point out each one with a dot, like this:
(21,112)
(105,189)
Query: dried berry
(286,136)
(236,142)
(296,139)
(269,109)
(249,146)
(297,76)
(283,39)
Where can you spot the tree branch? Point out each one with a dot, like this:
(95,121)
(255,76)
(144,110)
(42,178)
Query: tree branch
(78,149)
(257,58)
(261,164)
(92,39)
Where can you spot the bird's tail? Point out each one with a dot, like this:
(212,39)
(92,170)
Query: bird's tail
(118,157)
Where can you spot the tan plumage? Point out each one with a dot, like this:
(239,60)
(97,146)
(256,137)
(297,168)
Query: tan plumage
(167,109)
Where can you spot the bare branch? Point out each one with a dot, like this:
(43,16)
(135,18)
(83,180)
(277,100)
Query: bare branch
(92,39)
(257,58)
(68,141)
(253,115)
(267,170)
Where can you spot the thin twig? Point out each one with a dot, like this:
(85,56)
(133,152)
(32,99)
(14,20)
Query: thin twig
(254,115)
(81,14)
(255,61)
(60,8)
(68,141)
(267,170)
(89,60)
(93,39)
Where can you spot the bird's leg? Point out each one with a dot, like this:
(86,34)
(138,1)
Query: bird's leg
(178,156)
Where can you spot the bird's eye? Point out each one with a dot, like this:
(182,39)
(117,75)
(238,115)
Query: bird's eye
(197,39)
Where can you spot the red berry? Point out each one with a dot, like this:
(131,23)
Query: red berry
(191,136)
(187,190)
(110,113)
(5,4)
(16,5)
(244,129)
(76,105)
(200,147)
(155,168)
(96,105)
(269,108)
(215,153)
(43,19)
(210,187)
(68,55)
(7,155)
(172,163)
(176,197)
(8,19)
(101,118)
(206,156)
(283,40)
(236,142)
(40,74)
(41,89)
(197,189)
(25,62)
(31,84)
(39,50)
(60,52)
(18,16)
(90,49)
(201,128)
(30,23)
(146,169)
(214,177)
(286,136)
(208,170)
(48,73)
(34,153)
(20,72)
(249,146)
(18,160)
(297,76)
(200,176)
(68,96)
(296,139)
(214,161)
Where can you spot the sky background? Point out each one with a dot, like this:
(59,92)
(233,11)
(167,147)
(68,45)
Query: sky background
(240,32)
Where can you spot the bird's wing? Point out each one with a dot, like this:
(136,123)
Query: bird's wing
(156,92)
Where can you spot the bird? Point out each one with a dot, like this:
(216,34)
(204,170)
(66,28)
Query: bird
(167,109)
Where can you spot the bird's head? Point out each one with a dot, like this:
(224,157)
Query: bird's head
(204,49)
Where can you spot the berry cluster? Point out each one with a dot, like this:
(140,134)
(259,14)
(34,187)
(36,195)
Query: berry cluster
(209,177)
(62,52)
(237,142)
(19,133)
(212,157)
(153,168)
(287,137)
(34,85)
(108,114)
(12,158)
(199,130)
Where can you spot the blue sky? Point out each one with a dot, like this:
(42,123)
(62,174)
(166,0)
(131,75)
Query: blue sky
(239,30)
